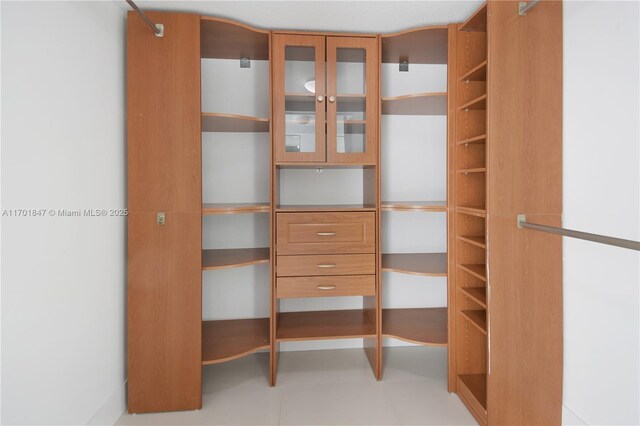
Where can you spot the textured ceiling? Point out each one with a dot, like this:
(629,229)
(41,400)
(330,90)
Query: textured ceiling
(353,16)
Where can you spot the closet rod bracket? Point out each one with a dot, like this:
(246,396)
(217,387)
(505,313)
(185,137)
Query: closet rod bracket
(525,6)
(158,29)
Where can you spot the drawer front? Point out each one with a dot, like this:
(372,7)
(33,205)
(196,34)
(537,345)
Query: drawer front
(314,233)
(326,264)
(353,285)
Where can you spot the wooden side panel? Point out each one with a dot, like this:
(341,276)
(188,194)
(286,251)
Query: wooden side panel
(524,176)
(164,312)
(163,114)
(164,174)
(452,84)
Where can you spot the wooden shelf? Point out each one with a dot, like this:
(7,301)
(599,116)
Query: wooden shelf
(353,126)
(474,140)
(477,104)
(477,386)
(230,339)
(233,258)
(224,39)
(422,206)
(424,326)
(477,318)
(427,264)
(478,271)
(476,22)
(474,170)
(476,240)
(477,73)
(322,165)
(319,325)
(218,122)
(472,210)
(351,103)
(416,104)
(326,207)
(478,294)
(426,45)
(234,208)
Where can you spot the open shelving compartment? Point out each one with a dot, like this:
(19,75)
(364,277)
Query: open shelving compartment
(414,184)
(235,191)
(470,243)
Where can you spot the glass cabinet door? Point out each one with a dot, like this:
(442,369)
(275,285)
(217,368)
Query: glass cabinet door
(352,110)
(299,98)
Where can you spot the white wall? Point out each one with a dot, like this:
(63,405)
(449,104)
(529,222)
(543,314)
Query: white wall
(601,195)
(63,147)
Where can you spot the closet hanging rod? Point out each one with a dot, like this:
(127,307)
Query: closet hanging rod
(602,239)
(158,29)
(525,6)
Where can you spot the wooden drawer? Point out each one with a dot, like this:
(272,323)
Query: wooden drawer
(333,232)
(326,264)
(351,285)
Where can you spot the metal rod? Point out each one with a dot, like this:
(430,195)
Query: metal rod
(158,29)
(602,239)
(525,6)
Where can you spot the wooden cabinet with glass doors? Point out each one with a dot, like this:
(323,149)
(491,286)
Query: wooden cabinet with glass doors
(325,99)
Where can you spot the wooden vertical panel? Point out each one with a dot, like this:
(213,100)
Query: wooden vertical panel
(280,43)
(164,312)
(163,114)
(452,73)
(164,174)
(524,162)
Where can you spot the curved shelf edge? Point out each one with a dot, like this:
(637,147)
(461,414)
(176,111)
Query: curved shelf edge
(414,30)
(423,326)
(234,22)
(226,340)
(415,342)
(232,357)
(423,264)
(222,122)
(215,259)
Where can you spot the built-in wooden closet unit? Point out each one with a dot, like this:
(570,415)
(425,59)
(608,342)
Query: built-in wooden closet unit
(495,92)
(228,339)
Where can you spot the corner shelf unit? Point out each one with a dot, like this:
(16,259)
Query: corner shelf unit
(422,46)
(229,339)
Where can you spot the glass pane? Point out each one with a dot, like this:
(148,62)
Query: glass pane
(300,103)
(351,100)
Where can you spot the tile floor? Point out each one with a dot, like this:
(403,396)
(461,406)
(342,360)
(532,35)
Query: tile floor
(333,387)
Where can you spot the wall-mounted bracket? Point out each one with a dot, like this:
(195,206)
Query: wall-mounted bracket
(525,6)
(403,66)
(245,62)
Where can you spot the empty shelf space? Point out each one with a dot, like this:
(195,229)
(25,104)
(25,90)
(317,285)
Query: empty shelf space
(478,294)
(478,271)
(234,208)
(477,21)
(416,104)
(473,140)
(326,207)
(473,170)
(479,103)
(476,384)
(218,122)
(428,264)
(477,73)
(233,258)
(319,325)
(472,210)
(416,46)
(476,240)
(230,339)
(222,39)
(423,206)
(477,318)
(424,326)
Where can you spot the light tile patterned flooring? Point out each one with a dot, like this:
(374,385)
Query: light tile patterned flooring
(333,387)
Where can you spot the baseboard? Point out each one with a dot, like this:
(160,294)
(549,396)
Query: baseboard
(112,408)
(571,418)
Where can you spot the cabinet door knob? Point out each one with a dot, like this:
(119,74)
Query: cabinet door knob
(332,99)
(320,98)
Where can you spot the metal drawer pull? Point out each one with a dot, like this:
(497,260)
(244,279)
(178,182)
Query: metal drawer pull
(326,265)
(326,234)
(326,287)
